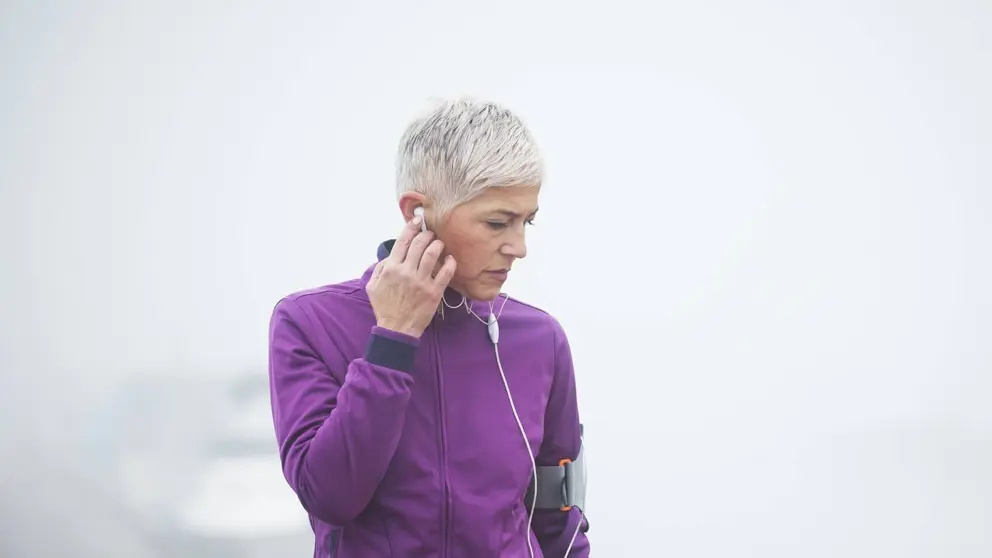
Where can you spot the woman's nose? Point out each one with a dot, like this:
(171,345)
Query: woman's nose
(517,247)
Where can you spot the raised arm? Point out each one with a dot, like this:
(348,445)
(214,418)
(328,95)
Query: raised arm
(336,438)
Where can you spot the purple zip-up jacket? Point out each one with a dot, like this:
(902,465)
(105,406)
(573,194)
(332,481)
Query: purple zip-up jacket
(407,447)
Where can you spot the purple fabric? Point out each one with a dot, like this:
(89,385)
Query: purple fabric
(425,461)
(396,336)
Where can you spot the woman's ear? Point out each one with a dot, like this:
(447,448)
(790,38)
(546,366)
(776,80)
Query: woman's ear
(410,201)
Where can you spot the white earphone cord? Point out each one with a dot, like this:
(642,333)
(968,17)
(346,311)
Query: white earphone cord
(513,407)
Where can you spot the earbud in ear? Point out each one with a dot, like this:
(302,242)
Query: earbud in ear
(419,212)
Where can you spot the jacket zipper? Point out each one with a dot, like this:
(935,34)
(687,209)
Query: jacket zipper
(445,509)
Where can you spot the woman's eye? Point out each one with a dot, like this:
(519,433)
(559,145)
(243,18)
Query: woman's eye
(500,225)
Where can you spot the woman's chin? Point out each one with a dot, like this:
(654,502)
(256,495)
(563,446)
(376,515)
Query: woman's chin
(483,293)
(485,289)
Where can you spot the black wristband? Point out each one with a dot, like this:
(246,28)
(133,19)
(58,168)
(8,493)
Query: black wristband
(390,353)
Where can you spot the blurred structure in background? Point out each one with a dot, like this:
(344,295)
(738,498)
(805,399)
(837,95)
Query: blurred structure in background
(168,466)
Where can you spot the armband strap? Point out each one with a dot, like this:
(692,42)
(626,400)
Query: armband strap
(560,487)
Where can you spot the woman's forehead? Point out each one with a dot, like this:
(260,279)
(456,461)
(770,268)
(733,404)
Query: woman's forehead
(512,200)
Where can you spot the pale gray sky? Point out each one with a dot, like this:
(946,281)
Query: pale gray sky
(766,229)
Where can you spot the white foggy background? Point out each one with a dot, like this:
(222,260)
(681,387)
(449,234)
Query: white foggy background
(766,228)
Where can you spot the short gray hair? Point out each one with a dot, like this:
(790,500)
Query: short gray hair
(461,147)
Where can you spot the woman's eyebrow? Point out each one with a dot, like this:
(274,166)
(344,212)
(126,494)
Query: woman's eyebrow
(513,214)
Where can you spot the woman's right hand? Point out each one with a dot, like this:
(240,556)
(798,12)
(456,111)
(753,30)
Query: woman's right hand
(404,290)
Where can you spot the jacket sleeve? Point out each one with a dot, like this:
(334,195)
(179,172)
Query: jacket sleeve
(336,438)
(562,439)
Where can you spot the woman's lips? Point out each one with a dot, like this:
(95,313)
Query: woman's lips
(499,274)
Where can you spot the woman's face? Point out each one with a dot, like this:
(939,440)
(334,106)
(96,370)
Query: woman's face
(486,236)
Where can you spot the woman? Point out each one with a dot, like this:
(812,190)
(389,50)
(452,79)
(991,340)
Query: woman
(399,405)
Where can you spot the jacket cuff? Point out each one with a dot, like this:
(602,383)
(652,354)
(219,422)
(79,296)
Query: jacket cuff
(390,349)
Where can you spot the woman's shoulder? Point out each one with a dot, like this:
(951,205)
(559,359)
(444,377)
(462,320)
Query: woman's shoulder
(535,324)
(337,299)
(527,313)
(348,289)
